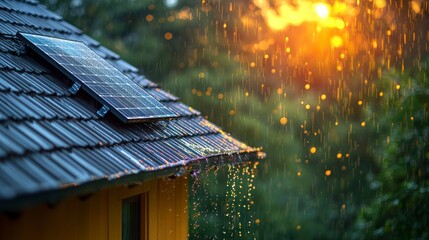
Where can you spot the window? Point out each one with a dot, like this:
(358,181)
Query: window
(130,214)
(132,218)
(155,210)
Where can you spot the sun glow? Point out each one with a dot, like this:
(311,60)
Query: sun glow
(322,10)
(280,14)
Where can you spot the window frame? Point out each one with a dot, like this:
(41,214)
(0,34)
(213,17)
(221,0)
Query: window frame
(148,192)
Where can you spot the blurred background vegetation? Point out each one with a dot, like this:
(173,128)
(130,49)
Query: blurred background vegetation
(338,103)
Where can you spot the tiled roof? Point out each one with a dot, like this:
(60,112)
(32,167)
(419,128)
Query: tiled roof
(53,143)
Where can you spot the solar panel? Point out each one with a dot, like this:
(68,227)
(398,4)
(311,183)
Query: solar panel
(118,94)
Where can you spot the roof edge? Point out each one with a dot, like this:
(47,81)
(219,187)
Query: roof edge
(22,202)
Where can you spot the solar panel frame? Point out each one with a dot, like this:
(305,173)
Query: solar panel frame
(119,94)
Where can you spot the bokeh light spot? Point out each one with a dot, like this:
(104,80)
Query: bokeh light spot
(283,120)
(336,41)
(168,35)
(149,18)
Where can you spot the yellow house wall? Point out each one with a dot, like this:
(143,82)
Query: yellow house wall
(98,217)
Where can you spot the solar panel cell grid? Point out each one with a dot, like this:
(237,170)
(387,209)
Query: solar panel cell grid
(128,101)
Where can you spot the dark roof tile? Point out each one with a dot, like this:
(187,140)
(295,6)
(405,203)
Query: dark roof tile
(110,163)
(162,95)
(7,187)
(24,105)
(123,66)
(9,108)
(67,130)
(51,136)
(127,133)
(75,166)
(30,9)
(38,84)
(32,83)
(2,117)
(76,158)
(21,63)
(33,107)
(32,21)
(8,145)
(94,127)
(61,134)
(117,157)
(105,53)
(99,137)
(136,157)
(34,136)
(79,130)
(49,166)
(43,180)
(35,2)
(78,173)
(9,45)
(182,109)
(10,29)
(141,80)
(114,136)
(20,181)
(29,84)
(71,27)
(145,157)
(15,143)
(52,105)
(44,111)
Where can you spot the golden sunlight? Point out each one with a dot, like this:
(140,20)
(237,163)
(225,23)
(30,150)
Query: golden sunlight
(280,14)
(336,41)
(322,10)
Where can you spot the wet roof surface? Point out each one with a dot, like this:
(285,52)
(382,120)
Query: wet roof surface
(51,140)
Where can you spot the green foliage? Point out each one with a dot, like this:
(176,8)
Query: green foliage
(401,210)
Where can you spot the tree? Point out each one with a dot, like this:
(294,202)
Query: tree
(400,210)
